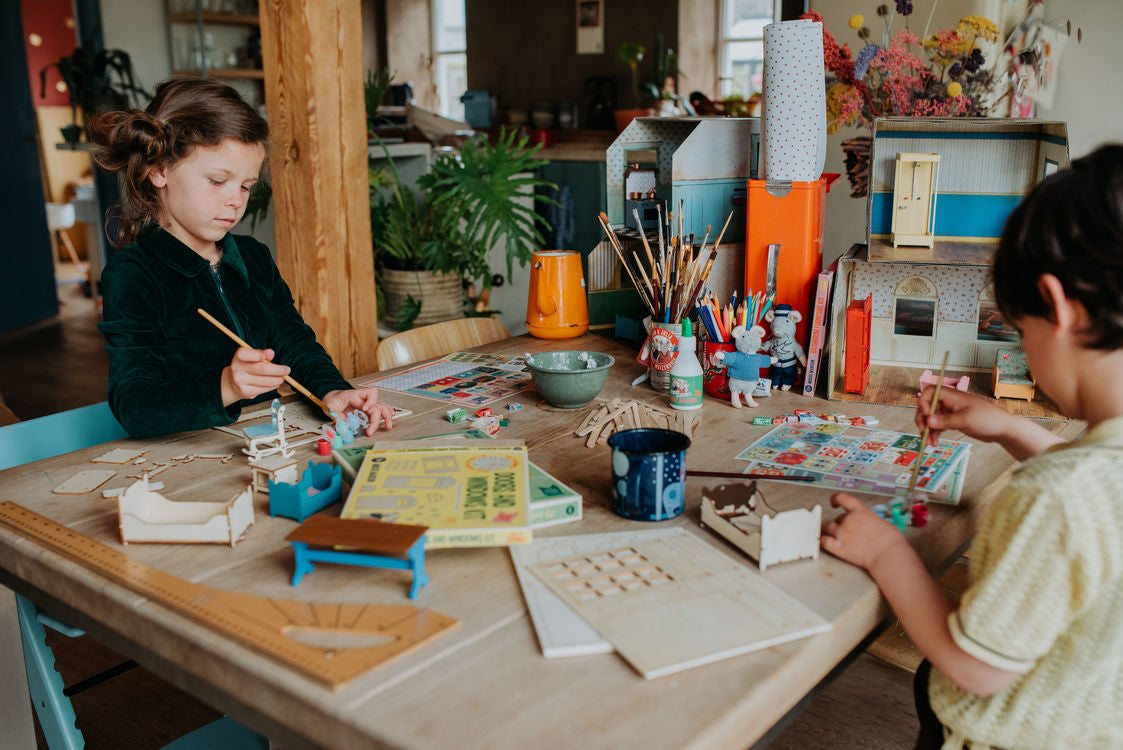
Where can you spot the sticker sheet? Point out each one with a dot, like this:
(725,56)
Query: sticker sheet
(859,459)
(465,378)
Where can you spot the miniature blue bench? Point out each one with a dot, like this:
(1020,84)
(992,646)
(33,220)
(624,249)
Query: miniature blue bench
(370,544)
(321,486)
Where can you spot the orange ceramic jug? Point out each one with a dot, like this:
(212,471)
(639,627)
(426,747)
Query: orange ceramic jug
(556,307)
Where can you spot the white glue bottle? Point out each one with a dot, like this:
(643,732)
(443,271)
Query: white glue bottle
(686,374)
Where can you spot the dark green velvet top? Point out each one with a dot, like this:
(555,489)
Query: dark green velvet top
(166,360)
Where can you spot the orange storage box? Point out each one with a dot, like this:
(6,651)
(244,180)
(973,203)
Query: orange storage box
(794,221)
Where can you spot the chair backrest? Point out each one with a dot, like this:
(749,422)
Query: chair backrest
(55,434)
(438,339)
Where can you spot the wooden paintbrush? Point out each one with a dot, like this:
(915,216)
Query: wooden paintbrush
(927,429)
(238,340)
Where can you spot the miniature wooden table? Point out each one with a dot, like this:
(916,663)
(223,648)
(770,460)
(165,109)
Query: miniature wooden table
(484,684)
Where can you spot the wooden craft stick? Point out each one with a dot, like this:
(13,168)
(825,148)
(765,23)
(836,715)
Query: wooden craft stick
(927,428)
(237,339)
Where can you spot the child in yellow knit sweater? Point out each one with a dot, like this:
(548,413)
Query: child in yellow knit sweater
(1032,655)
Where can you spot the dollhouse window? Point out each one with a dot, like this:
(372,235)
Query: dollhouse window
(914,307)
(992,325)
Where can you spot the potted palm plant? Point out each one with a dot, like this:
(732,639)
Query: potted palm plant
(427,248)
(96,81)
(631,54)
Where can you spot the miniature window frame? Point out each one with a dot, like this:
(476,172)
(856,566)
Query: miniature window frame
(987,301)
(916,289)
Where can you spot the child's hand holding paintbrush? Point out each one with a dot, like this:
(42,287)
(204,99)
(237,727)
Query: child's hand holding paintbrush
(252,372)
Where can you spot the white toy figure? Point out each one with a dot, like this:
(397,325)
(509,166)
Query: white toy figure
(785,350)
(744,364)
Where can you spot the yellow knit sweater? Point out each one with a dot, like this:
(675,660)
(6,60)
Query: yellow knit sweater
(1045,599)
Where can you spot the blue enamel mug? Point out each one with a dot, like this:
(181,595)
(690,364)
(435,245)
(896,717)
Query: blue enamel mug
(648,473)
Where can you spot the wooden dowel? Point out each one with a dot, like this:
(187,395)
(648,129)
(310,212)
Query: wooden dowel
(238,340)
(927,428)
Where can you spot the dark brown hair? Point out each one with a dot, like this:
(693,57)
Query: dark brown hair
(1071,226)
(184,113)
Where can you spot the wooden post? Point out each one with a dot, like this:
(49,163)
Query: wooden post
(312,51)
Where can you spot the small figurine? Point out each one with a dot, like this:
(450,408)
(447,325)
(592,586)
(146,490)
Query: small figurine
(920,515)
(357,421)
(346,434)
(744,364)
(783,347)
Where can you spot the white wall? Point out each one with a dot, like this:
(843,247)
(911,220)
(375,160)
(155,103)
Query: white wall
(141,29)
(1088,92)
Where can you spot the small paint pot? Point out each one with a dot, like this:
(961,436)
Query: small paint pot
(648,473)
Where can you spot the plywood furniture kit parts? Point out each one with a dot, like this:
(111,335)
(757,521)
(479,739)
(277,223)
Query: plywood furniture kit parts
(362,542)
(739,514)
(668,601)
(119,456)
(83,482)
(145,515)
(273,468)
(321,486)
(259,623)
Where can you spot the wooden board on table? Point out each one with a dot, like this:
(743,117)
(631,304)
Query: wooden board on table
(560,630)
(668,601)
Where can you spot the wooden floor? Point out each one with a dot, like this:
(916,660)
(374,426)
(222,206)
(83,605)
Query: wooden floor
(61,364)
(899,385)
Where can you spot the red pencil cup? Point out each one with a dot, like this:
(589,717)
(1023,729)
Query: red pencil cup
(715,381)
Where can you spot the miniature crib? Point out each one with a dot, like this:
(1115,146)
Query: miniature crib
(147,516)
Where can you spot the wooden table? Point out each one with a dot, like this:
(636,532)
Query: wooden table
(484,684)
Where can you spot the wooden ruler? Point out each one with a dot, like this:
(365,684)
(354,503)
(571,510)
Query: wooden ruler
(277,628)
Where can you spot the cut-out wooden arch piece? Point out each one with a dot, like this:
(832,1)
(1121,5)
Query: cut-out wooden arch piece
(263,624)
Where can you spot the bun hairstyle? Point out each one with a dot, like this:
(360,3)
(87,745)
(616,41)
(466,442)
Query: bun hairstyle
(184,113)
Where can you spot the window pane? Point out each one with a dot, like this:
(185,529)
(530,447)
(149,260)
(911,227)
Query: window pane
(448,26)
(452,82)
(915,317)
(746,18)
(992,326)
(743,68)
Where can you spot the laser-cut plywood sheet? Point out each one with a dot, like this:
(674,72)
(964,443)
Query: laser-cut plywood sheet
(668,601)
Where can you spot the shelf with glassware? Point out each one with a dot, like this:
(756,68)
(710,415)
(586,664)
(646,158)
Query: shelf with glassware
(217,43)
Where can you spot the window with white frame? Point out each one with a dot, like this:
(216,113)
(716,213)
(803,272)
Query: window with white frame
(450,58)
(741,50)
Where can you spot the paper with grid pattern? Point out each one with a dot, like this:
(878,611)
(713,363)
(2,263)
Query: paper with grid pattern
(859,459)
(466,378)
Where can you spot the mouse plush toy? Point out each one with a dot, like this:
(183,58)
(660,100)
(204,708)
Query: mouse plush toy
(744,364)
(783,347)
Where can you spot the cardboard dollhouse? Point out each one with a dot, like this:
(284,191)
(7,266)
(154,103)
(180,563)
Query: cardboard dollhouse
(706,163)
(928,300)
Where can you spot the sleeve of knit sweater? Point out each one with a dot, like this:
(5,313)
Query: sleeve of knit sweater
(1034,566)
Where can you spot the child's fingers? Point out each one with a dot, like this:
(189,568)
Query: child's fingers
(847,502)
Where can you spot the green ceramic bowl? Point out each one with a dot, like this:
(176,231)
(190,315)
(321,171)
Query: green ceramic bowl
(564,379)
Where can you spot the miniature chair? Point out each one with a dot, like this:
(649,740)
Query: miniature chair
(45,437)
(1011,378)
(438,340)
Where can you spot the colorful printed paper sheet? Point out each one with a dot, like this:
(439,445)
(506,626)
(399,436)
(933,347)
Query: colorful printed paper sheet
(465,378)
(472,494)
(859,459)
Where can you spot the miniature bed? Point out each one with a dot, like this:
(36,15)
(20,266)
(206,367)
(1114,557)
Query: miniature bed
(148,516)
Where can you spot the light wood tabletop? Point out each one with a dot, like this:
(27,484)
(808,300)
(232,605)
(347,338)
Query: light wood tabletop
(485,683)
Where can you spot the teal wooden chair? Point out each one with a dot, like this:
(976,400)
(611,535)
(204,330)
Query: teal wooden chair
(45,437)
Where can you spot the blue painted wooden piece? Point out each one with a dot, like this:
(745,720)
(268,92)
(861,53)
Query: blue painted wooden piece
(321,486)
(305,556)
